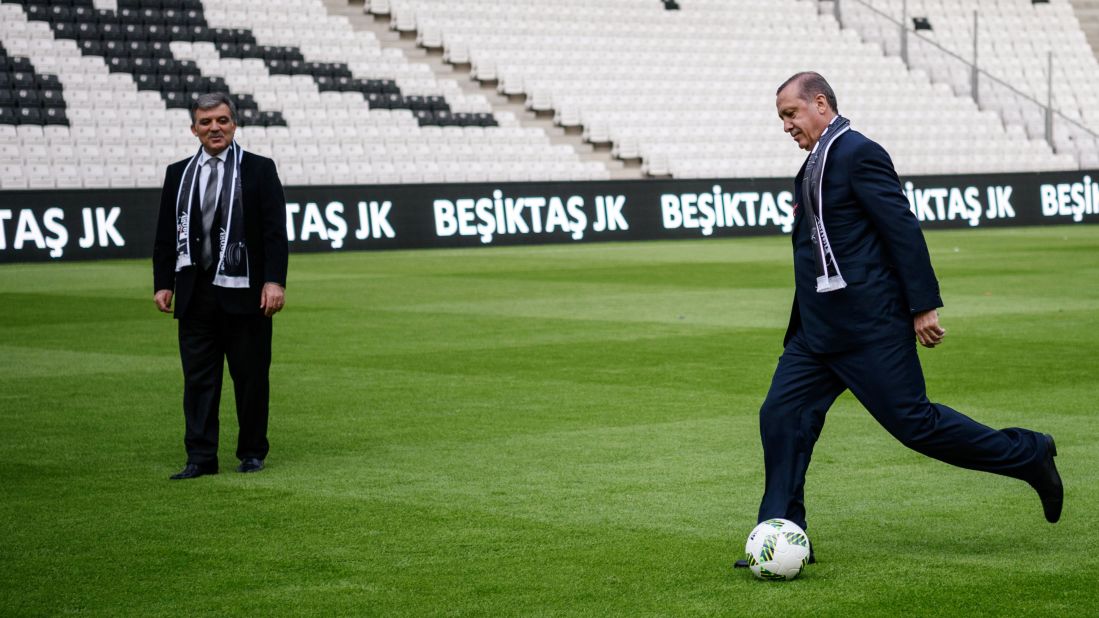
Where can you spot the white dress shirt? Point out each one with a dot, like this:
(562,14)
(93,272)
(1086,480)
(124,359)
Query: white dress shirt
(204,172)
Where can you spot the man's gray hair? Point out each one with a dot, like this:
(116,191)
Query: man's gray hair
(211,100)
(810,85)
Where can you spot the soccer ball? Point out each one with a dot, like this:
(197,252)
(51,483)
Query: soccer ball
(777,549)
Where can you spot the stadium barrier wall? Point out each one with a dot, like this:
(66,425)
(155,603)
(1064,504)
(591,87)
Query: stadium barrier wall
(45,225)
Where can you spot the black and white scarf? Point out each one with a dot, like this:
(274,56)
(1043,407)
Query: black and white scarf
(232,257)
(829,278)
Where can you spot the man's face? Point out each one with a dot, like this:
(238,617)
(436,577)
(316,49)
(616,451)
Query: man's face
(214,127)
(803,120)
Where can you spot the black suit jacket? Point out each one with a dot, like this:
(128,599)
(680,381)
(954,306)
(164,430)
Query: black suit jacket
(264,234)
(878,245)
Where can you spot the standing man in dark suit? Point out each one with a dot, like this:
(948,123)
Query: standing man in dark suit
(863,287)
(221,253)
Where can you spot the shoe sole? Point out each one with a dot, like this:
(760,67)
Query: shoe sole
(1052,450)
(187,478)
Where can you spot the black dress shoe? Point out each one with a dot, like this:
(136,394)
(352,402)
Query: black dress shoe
(192,471)
(1048,484)
(250,464)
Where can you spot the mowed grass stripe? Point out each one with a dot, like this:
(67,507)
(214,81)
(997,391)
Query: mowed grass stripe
(742,308)
(397,333)
(21,363)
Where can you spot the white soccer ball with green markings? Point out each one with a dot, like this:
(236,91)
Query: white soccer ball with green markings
(777,549)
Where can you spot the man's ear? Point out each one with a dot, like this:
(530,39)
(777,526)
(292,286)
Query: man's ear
(822,103)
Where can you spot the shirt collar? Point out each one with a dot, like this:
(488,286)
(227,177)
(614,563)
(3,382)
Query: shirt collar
(205,156)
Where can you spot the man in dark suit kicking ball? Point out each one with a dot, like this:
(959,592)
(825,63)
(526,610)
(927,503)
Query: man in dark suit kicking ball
(863,286)
(221,252)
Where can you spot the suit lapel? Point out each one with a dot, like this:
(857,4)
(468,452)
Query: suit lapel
(799,211)
(196,217)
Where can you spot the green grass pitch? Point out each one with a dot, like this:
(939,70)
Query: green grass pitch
(538,431)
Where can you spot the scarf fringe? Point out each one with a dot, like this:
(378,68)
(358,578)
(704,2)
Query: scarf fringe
(829,277)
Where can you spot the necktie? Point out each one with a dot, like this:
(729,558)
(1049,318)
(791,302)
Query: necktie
(209,206)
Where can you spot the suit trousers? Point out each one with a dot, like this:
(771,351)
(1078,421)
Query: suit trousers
(887,379)
(208,337)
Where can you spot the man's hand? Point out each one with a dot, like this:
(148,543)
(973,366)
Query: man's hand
(163,299)
(272,299)
(928,331)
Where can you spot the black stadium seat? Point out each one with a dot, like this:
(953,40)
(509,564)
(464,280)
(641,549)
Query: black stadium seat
(177,99)
(159,49)
(142,66)
(200,83)
(22,79)
(247,117)
(417,103)
(245,102)
(24,94)
(51,98)
(49,82)
(111,32)
(85,14)
(29,115)
(198,33)
(91,47)
(20,65)
(115,48)
(272,119)
(297,67)
(248,50)
(55,115)
(156,33)
(60,12)
(28,98)
(120,65)
(146,81)
(234,35)
(134,32)
(65,30)
(135,37)
(168,82)
(39,12)
(88,31)
(130,16)
(228,49)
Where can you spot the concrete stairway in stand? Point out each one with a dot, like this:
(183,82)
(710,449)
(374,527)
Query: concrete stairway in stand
(379,25)
(1087,11)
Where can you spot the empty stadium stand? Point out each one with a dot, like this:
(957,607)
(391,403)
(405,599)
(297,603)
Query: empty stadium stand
(94,93)
(691,91)
(26,97)
(1087,12)
(1014,41)
(330,103)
